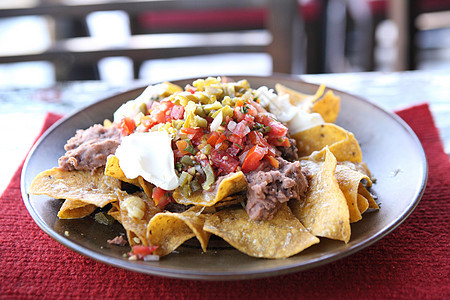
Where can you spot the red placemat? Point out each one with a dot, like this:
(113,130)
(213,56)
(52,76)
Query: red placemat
(411,262)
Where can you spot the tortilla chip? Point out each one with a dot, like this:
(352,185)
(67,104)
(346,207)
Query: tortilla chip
(328,107)
(146,186)
(113,169)
(324,212)
(136,227)
(231,200)
(362,203)
(341,142)
(75,209)
(97,189)
(349,181)
(115,212)
(229,185)
(280,237)
(347,150)
(169,230)
(362,190)
(171,88)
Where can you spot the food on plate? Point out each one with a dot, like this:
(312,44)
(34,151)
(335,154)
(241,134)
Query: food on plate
(282,236)
(268,172)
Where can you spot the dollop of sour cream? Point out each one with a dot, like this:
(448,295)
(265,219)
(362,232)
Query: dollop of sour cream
(303,120)
(150,155)
(296,117)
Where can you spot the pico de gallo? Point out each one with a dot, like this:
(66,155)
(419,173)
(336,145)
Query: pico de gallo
(216,128)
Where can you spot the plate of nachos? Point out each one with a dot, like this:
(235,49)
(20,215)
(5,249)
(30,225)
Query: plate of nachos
(224,177)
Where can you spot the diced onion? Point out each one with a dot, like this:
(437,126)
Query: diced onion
(231,125)
(216,122)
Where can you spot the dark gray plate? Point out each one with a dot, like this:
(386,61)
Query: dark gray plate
(391,150)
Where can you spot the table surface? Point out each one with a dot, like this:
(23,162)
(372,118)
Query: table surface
(24,109)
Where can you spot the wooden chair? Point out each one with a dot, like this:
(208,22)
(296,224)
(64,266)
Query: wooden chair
(72,49)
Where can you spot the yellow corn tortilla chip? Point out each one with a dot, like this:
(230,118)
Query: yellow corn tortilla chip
(363,203)
(360,167)
(347,150)
(281,237)
(229,185)
(75,209)
(341,142)
(97,189)
(328,107)
(146,186)
(362,190)
(171,88)
(113,169)
(169,230)
(349,181)
(115,212)
(136,227)
(325,212)
(231,200)
(352,179)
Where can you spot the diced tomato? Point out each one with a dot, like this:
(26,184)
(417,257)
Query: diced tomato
(222,146)
(141,251)
(234,149)
(160,111)
(194,134)
(277,130)
(275,163)
(224,161)
(235,139)
(250,120)
(251,110)
(220,139)
(158,116)
(241,109)
(238,114)
(253,158)
(185,147)
(160,196)
(212,139)
(241,129)
(147,122)
(177,112)
(280,142)
(257,139)
(127,126)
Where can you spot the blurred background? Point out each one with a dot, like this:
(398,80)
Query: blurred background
(118,41)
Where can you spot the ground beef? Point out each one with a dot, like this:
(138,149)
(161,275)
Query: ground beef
(89,148)
(118,240)
(269,189)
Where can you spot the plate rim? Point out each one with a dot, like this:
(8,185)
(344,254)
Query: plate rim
(223,275)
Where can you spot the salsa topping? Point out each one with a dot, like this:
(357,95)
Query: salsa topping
(215,127)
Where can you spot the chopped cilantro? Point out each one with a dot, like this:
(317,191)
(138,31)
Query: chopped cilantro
(244,108)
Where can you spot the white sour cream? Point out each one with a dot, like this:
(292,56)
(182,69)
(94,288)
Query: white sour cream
(150,155)
(304,120)
(296,117)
